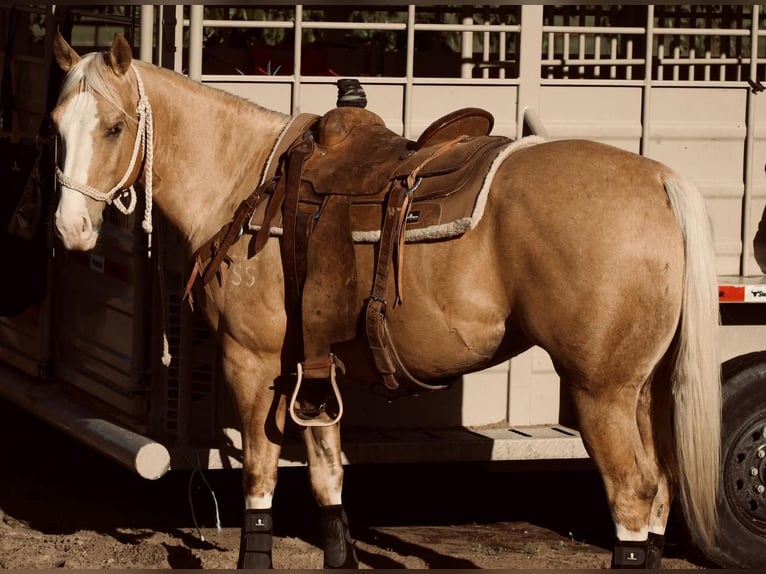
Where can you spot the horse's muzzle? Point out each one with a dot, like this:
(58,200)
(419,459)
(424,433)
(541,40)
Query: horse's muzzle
(77,234)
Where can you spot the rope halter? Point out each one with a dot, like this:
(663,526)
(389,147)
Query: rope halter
(145,138)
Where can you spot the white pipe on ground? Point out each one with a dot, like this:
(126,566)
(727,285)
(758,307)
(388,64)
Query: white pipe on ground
(48,401)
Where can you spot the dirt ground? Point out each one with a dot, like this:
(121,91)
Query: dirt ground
(64,506)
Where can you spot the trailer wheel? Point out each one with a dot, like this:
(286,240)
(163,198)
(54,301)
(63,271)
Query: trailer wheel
(741,501)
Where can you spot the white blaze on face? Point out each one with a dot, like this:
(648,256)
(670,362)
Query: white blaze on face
(77,127)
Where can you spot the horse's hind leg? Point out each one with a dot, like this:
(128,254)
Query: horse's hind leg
(654,416)
(326,476)
(621,449)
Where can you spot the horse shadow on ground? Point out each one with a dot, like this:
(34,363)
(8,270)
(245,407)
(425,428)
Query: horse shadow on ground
(430,557)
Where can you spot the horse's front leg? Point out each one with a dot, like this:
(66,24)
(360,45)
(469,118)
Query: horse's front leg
(262,409)
(326,476)
(259,478)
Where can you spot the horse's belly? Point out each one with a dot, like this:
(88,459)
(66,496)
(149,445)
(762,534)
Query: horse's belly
(437,347)
(432,350)
(454,314)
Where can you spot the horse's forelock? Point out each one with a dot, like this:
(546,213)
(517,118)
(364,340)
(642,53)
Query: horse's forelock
(91,72)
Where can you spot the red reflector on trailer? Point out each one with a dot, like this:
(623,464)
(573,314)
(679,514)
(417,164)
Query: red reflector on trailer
(731,293)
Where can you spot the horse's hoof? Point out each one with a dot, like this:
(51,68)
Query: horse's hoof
(645,555)
(338,546)
(655,547)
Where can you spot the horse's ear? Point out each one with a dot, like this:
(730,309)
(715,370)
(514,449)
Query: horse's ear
(63,52)
(120,55)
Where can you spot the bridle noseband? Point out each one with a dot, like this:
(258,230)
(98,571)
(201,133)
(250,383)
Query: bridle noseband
(145,139)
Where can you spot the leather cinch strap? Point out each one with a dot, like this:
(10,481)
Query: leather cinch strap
(375,314)
(384,353)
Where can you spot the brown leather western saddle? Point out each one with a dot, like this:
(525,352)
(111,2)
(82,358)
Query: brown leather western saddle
(346,177)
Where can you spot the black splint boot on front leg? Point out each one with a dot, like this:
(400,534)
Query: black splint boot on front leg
(339,550)
(256,540)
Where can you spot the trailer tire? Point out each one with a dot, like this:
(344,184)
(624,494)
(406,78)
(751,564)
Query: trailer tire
(741,500)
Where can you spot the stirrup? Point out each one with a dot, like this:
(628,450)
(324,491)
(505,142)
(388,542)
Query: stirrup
(315,421)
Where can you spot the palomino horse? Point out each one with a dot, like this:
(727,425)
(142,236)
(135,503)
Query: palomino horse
(601,257)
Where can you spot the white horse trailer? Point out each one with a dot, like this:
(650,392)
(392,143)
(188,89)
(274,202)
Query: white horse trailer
(677,83)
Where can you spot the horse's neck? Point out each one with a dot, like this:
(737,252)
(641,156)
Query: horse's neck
(210,152)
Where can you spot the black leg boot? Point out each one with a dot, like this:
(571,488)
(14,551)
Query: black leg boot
(339,551)
(629,554)
(654,551)
(256,540)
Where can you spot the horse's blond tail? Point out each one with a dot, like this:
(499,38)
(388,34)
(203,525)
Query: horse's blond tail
(697,372)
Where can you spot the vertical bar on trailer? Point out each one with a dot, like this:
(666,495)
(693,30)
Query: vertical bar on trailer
(409,71)
(747,198)
(530,62)
(599,16)
(147,33)
(646,111)
(178,61)
(297,59)
(161,36)
(466,47)
(485,54)
(502,50)
(196,15)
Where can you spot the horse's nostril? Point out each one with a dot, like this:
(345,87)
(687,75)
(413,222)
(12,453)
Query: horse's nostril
(86,227)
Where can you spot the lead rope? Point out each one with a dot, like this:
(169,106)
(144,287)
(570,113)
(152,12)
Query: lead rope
(160,257)
(147,139)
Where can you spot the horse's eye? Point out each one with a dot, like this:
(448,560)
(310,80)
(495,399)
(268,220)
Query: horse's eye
(115,130)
